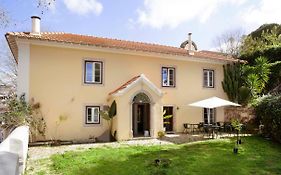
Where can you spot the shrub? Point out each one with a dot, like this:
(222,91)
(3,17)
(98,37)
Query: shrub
(268,112)
(19,112)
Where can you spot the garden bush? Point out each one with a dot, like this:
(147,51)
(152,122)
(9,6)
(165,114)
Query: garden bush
(268,112)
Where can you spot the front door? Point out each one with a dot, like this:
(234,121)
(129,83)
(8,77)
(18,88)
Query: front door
(141,118)
(168,123)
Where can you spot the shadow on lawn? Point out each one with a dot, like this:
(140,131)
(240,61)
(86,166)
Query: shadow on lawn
(201,158)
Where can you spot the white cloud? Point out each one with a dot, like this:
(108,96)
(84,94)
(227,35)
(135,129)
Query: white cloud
(83,7)
(267,11)
(171,13)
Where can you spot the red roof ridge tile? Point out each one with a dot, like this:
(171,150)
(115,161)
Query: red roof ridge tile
(106,42)
(123,86)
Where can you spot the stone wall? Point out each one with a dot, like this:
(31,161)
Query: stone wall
(244,114)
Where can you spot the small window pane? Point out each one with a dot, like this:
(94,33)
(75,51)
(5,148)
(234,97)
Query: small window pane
(96,115)
(92,115)
(165,76)
(168,76)
(205,78)
(171,77)
(208,78)
(89,70)
(93,72)
(211,78)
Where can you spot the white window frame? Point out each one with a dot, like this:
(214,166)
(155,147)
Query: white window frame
(209,84)
(100,63)
(93,115)
(168,77)
(209,111)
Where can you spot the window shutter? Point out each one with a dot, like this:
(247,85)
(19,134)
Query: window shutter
(205,78)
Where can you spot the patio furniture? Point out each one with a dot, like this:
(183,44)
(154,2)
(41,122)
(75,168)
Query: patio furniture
(207,129)
(201,127)
(194,127)
(228,128)
(211,103)
(186,127)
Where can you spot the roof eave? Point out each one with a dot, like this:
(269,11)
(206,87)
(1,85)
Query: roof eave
(14,51)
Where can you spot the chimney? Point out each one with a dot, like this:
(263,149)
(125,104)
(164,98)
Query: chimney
(35,25)
(190,51)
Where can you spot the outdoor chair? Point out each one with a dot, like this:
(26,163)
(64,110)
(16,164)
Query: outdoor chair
(207,130)
(187,128)
(201,127)
(220,127)
(228,128)
(244,129)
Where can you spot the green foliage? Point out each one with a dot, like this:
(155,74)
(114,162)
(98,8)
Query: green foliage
(110,113)
(264,42)
(244,95)
(166,117)
(265,27)
(257,76)
(232,80)
(161,134)
(268,112)
(19,112)
(236,124)
(256,156)
(268,39)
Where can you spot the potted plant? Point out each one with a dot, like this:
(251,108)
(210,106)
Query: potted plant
(108,115)
(166,117)
(237,126)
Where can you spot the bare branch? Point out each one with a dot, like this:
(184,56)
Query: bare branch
(229,42)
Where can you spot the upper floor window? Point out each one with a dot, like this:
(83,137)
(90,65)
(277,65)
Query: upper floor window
(208,78)
(92,114)
(168,77)
(93,72)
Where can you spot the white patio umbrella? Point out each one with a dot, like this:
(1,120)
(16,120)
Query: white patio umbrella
(213,102)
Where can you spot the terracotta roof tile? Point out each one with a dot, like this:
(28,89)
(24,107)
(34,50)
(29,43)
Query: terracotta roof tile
(125,85)
(110,43)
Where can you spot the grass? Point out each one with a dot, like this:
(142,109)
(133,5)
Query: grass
(256,156)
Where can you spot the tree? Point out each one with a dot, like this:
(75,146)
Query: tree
(257,76)
(19,112)
(8,69)
(266,40)
(229,42)
(5,17)
(232,81)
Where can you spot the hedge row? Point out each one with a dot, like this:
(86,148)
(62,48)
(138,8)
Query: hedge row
(268,111)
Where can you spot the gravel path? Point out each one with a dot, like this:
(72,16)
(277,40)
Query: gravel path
(41,152)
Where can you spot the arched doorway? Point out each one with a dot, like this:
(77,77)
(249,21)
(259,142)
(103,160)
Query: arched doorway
(141,115)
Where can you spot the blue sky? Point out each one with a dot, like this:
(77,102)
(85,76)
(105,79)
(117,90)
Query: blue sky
(157,21)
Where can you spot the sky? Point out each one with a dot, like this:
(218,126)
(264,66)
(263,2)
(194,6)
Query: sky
(166,22)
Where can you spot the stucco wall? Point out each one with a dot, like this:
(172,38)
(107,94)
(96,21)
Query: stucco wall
(56,81)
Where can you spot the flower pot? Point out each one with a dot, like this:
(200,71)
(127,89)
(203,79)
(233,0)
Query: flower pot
(235,150)
(239,141)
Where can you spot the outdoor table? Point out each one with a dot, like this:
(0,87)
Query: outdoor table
(193,126)
(214,128)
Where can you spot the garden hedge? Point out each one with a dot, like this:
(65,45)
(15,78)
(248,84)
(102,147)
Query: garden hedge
(268,112)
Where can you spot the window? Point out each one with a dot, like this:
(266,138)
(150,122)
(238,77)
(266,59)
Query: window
(92,114)
(168,77)
(209,115)
(93,72)
(208,78)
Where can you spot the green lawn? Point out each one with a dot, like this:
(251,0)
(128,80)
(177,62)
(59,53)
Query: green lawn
(256,156)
